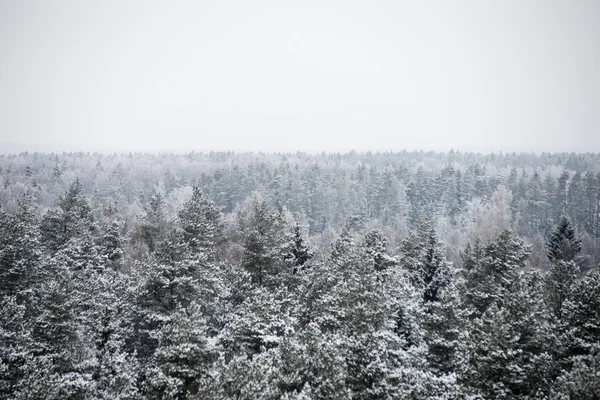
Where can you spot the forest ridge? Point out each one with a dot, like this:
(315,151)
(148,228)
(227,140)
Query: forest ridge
(409,275)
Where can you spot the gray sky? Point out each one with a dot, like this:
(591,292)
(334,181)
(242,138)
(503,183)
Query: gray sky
(516,75)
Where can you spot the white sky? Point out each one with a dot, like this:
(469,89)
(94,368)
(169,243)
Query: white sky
(311,75)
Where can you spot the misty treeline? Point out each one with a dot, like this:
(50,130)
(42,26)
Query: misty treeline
(405,275)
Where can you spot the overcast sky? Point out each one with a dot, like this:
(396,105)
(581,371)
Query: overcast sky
(311,75)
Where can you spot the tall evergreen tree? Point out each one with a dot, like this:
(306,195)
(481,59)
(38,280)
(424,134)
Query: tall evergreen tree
(564,243)
(20,253)
(202,225)
(264,246)
(299,253)
(72,219)
(111,249)
(559,285)
(154,225)
(559,201)
(491,271)
(510,345)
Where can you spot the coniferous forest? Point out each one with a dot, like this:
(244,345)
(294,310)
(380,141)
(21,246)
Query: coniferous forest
(409,275)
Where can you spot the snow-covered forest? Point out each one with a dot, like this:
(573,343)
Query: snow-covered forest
(410,275)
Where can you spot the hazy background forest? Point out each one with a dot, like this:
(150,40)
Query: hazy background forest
(399,275)
(465,195)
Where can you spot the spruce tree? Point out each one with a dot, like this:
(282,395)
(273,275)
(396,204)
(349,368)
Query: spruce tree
(564,243)
(299,253)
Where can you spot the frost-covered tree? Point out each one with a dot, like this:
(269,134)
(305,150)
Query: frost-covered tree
(564,244)
(183,357)
(264,246)
(490,280)
(111,248)
(559,285)
(72,219)
(582,311)
(15,344)
(299,252)
(582,381)
(201,223)
(375,245)
(20,252)
(153,225)
(511,345)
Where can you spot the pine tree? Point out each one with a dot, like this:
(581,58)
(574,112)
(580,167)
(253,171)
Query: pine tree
(582,311)
(20,253)
(592,188)
(576,201)
(559,201)
(564,243)
(154,225)
(54,333)
(15,344)
(511,344)
(434,277)
(559,285)
(536,198)
(582,381)
(299,252)
(183,356)
(313,363)
(202,224)
(423,256)
(263,246)
(73,218)
(375,245)
(490,272)
(112,246)
(106,326)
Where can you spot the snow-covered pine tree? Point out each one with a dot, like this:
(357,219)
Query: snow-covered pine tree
(153,225)
(564,243)
(299,252)
(490,272)
(20,252)
(73,218)
(202,224)
(111,248)
(511,344)
(264,246)
(582,311)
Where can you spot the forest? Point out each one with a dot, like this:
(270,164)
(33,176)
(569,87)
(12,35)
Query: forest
(222,275)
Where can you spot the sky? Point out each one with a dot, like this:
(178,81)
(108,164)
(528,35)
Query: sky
(310,75)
